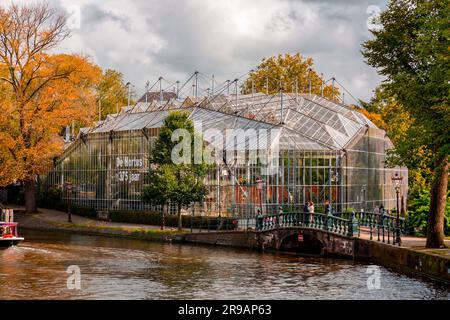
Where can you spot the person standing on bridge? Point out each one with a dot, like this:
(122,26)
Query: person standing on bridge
(279,218)
(381,215)
(259,220)
(311,207)
(311,211)
(306,208)
(328,208)
(376,210)
(306,218)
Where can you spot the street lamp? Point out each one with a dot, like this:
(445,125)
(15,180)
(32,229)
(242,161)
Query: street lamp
(259,186)
(397,182)
(69,196)
(363,200)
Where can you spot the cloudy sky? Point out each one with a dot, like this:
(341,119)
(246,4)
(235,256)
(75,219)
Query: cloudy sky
(145,39)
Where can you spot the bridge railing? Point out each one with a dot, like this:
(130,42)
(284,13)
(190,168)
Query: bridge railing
(367,219)
(382,226)
(326,222)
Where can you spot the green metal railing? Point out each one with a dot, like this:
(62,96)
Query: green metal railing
(321,221)
(382,226)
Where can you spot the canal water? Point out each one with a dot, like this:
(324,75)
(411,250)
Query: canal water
(112,268)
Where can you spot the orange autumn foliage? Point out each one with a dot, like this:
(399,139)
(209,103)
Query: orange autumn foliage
(29,130)
(40,92)
(376,118)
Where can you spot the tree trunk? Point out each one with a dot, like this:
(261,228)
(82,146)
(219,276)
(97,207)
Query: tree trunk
(180,225)
(435,232)
(30,198)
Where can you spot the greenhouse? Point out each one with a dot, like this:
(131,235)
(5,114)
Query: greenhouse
(277,152)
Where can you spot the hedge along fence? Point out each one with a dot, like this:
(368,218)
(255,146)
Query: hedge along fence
(77,209)
(154,218)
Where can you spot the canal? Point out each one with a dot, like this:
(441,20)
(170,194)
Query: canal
(113,268)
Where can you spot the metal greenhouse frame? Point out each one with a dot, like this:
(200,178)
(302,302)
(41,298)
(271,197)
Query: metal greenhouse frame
(325,151)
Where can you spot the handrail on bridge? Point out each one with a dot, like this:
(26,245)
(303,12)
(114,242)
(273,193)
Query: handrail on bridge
(348,224)
(327,222)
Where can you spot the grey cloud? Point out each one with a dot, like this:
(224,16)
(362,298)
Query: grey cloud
(174,38)
(283,20)
(94,15)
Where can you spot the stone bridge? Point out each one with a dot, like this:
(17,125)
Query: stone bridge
(306,241)
(293,239)
(320,234)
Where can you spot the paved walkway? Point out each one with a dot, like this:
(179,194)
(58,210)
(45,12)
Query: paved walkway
(415,243)
(53,217)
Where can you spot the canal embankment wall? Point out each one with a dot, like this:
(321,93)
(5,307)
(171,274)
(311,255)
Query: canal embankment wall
(402,259)
(406,260)
(36,222)
(238,239)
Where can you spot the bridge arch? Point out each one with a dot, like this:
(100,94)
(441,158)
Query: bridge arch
(313,241)
(300,241)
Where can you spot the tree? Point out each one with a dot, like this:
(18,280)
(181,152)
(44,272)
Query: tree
(113,92)
(418,211)
(410,148)
(40,92)
(290,72)
(171,181)
(372,116)
(411,50)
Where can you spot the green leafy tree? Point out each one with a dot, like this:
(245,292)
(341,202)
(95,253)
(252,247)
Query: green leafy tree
(169,181)
(410,149)
(290,71)
(411,51)
(40,92)
(418,210)
(113,92)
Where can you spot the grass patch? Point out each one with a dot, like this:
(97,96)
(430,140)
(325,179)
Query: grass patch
(157,231)
(135,231)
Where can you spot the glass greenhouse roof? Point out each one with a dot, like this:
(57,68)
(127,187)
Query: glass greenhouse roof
(301,122)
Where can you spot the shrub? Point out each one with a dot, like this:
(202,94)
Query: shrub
(80,210)
(154,218)
(418,211)
(15,194)
(48,198)
(83,211)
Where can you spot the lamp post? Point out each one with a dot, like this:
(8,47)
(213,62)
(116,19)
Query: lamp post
(259,186)
(69,195)
(397,181)
(363,191)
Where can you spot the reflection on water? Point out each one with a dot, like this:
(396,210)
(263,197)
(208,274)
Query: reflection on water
(128,269)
